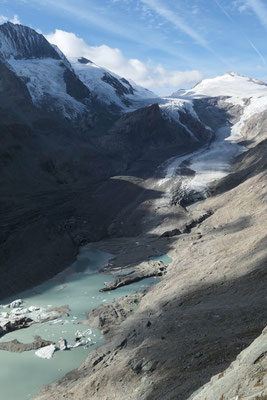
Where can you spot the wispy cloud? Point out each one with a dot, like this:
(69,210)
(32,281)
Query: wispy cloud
(178,22)
(87,15)
(243,34)
(258,52)
(108,24)
(260,10)
(181,25)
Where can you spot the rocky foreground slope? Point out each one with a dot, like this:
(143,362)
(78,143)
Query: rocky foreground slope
(210,305)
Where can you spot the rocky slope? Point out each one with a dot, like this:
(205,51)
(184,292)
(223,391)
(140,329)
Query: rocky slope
(244,379)
(209,306)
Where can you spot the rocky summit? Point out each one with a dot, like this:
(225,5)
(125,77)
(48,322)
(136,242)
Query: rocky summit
(173,188)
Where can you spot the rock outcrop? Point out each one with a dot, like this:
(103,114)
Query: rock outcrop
(142,271)
(17,347)
(106,316)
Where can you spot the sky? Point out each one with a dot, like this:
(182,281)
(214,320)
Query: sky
(163,45)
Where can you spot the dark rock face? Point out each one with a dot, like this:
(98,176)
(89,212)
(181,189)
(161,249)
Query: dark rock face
(74,86)
(26,43)
(15,100)
(121,90)
(138,132)
(128,83)
(84,60)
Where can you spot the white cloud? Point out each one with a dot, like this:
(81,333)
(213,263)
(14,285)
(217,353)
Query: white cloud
(113,59)
(14,20)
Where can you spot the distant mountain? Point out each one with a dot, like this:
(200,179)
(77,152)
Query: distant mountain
(55,84)
(229,84)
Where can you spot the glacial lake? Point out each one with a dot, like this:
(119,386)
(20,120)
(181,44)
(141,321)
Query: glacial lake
(22,374)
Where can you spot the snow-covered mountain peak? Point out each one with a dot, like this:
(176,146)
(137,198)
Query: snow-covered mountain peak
(229,84)
(60,84)
(232,73)
(109,87)
(22,42)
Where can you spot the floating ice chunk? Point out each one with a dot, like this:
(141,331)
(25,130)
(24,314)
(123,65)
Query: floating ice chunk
(19,311)
(46,352)
(57,321)
(78,334)
(88,332)
(33,308)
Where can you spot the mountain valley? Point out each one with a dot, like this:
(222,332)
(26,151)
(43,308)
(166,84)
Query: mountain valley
(90,160)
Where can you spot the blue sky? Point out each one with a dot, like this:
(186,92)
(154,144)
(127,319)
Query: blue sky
(162,44)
